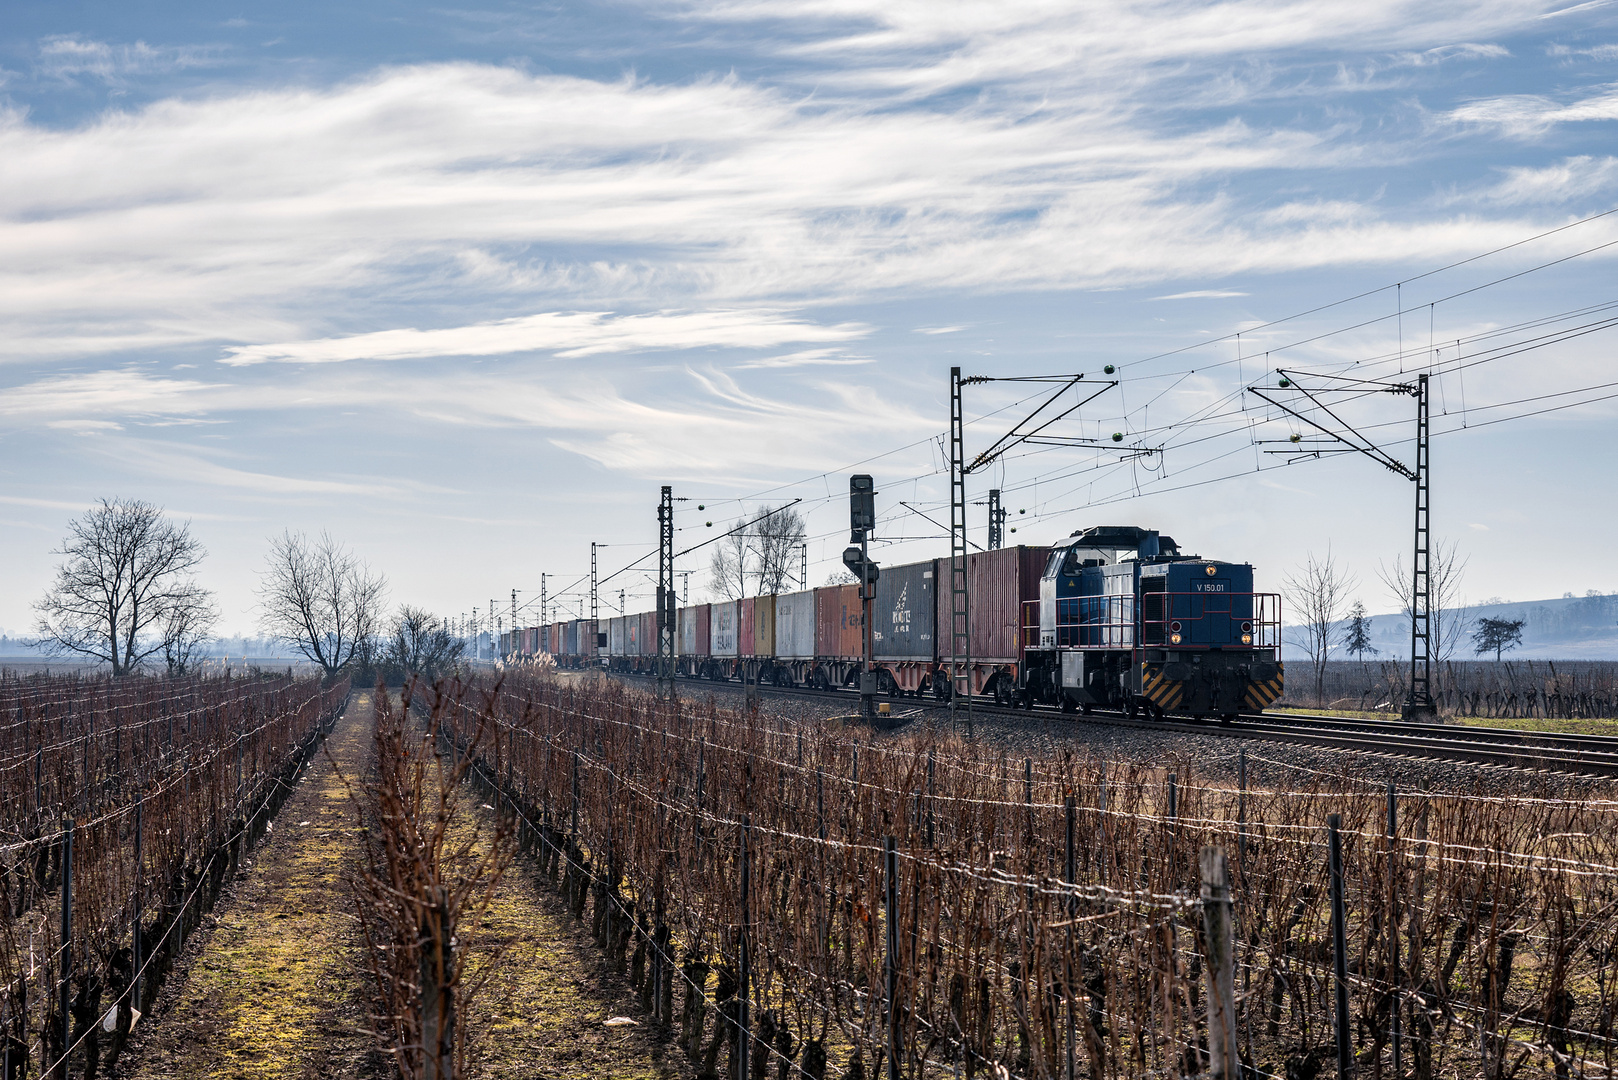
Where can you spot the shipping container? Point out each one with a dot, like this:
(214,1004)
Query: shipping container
(998,582)
(648,633)
(837,622)
(723,620)
(615,636)
(904,613)
(631,634)
(744,626)
(795,626)
(763,625)
(694,630)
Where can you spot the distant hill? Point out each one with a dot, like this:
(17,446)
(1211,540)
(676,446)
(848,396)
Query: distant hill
(1569,628)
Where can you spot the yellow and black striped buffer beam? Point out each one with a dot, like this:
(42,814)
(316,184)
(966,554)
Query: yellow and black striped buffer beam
(1260,695)
(1162,692)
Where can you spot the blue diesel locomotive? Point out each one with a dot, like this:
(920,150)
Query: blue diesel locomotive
(1127,621)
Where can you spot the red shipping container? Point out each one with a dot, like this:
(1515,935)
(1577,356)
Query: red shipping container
(704,641)
(648,633)
(997,584)
(745,645)
(837,622)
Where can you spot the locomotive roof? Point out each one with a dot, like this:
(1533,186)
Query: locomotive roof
(1119,536)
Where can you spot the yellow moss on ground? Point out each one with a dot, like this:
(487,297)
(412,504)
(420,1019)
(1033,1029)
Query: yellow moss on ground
(549,994)
(276,988)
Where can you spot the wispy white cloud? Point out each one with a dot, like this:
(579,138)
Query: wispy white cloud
(805,358)
(567,334)
(927,48)
(1526,116)
(1201,294)
(1570,178)
(1462,51)
(71,57)
(82,397)
(199,220)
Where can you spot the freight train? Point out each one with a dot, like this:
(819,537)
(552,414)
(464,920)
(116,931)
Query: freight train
(1113,616)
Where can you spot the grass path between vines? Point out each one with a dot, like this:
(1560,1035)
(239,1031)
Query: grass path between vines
(275,984)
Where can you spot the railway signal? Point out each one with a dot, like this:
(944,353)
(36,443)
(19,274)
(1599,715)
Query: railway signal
(861,523)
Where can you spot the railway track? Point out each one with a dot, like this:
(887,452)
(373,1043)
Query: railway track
(1585,755)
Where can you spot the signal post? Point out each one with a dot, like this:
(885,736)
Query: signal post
(862,522)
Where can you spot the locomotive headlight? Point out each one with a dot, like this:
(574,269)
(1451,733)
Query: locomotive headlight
(1247,639)
(1210,570)
(1174,639)
(1174,627)
(1247,628)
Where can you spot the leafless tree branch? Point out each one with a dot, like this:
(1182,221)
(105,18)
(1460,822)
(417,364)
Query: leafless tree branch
(125,591)
(319,598)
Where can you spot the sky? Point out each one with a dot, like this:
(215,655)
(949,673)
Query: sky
(464,286)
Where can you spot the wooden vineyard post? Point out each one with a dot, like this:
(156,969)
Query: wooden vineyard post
(744,963)
(1339,946)
(134,984)
(1101,805)
(1241,815)
(1393,934)
(64,993)
(890,964)
(1028,794)
(1070,909)
(932,792)
(1219,968)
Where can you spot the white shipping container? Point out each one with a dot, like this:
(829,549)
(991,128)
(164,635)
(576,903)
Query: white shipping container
(795,626)
(685,639)
(725,617)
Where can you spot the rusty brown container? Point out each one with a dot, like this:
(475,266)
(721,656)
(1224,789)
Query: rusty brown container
(837,622)
(648,633)
(997,582)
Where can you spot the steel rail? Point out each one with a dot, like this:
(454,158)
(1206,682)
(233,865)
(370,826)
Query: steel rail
(1560,752)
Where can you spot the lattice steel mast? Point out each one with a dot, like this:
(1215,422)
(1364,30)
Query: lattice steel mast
(665,593)
(959,468)
(960,637)
(1420,700)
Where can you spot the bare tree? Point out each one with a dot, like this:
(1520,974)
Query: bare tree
(1316,595)
(732,564)
(319,598)
(1448,612)
(127,574)
(420,643)
(189,626)
(776,539)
